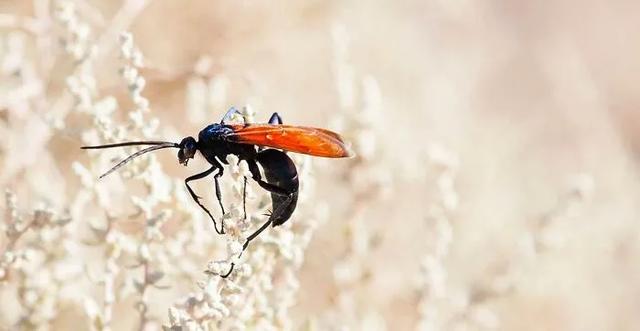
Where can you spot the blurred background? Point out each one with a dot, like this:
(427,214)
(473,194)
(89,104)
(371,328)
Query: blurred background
(496,184)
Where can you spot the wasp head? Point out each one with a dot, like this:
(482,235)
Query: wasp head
(188,147)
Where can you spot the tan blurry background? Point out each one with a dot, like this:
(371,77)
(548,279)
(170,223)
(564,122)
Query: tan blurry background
(526,97)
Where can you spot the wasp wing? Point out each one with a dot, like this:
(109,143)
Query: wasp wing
(298,139)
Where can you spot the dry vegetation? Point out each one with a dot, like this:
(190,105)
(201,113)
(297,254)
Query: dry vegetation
(495,185)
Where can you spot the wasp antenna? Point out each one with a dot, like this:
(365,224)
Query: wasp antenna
(134,155)
(132,143)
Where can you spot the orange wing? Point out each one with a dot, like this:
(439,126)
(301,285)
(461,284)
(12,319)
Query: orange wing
(299,139)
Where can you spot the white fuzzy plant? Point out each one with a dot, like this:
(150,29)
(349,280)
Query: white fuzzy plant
(263,286)
(136,238)
(261,289)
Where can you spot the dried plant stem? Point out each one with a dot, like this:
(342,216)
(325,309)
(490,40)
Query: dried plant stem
(142,305)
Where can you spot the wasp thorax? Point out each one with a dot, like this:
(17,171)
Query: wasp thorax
(188,147)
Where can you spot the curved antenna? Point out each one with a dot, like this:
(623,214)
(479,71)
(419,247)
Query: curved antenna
(156,145)
(130,143)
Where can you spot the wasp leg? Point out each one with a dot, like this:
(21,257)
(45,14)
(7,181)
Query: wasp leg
(244,197)
(275,215)
(283,205)
(218,191)
(246,244)
(281,175)
(282,183)
(254,235)
(229,272)
(197,198)
(255,173)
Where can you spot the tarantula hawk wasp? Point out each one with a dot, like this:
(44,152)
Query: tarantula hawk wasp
(257,144)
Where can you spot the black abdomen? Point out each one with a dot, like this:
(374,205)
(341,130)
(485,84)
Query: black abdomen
(280,171)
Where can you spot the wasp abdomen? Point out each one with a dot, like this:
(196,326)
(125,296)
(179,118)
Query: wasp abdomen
(279,170)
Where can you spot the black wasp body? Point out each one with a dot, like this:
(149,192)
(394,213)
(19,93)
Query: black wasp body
(260,145)
(216,141)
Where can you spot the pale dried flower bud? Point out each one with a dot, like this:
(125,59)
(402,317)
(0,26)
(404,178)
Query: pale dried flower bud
(126,43)
(176,316)
(11,205)
(235,248)
(232,159)
(8,257)
(249,113)
(144,253)
(42,217)
(215,267)
(484,318)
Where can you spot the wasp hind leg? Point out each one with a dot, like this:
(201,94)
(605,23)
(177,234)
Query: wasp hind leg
(244,198)
(282,183)
(255,234)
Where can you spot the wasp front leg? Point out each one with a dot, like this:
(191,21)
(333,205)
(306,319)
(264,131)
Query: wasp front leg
(282,183)
(196,198)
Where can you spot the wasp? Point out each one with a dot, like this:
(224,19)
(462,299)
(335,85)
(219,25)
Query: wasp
(259,145)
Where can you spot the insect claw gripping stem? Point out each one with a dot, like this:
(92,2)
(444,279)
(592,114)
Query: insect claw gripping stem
(257,233)
(246,244)
(254,235)
(229,272)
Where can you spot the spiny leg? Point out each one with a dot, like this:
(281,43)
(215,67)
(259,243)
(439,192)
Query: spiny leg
(196,198)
